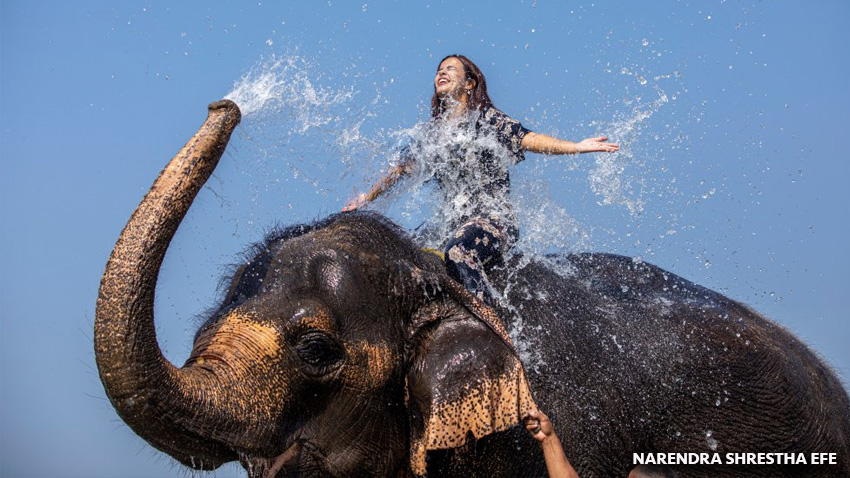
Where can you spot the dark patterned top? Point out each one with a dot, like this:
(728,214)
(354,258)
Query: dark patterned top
(469,158)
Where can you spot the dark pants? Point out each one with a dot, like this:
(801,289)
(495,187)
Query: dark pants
(474,249)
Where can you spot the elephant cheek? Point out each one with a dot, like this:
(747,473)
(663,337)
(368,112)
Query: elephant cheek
(379,363)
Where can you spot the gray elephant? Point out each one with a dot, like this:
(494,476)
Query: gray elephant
(341,349)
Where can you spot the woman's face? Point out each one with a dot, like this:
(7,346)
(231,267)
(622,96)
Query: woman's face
(451,79)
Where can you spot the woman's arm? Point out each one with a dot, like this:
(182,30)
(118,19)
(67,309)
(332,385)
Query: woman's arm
(541,143)
(541,429)
(379,188)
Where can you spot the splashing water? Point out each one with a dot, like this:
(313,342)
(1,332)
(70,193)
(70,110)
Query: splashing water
(280,84)
(294,115)
(327,135)
(306,134)
(608,178)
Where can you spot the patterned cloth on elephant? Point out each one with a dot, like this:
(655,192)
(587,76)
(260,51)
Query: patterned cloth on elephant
(468,158)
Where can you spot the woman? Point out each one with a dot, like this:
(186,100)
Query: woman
(467,147)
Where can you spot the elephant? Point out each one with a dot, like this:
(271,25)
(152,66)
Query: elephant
(341,348)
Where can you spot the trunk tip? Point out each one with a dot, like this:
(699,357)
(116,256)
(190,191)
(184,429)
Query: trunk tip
(229,105)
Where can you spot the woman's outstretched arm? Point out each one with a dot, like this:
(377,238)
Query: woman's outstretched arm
(385,183)
(541,143)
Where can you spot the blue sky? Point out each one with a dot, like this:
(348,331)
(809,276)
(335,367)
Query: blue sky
(732,116)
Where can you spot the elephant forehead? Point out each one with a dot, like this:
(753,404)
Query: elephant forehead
(321,264)
(337,244)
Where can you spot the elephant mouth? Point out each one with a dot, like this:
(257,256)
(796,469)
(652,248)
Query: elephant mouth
(301,459)
(289,457)
(259,467)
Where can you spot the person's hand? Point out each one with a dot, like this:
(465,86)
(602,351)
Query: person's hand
(356,203)
(538,425)
(597,145)
(541,429)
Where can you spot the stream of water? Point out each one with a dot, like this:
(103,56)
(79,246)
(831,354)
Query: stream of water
(331,136)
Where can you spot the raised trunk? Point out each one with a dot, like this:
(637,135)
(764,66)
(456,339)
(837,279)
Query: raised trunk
(171,408)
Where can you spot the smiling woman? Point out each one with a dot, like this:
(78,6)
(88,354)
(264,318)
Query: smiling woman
(467,149)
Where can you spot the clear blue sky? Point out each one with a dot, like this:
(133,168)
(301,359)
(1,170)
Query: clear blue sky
(732,115)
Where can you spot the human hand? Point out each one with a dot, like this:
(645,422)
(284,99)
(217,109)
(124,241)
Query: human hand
(597,145)
(355,203)
(538,425)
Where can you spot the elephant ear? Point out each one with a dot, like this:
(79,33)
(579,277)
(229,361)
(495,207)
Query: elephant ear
(465,378)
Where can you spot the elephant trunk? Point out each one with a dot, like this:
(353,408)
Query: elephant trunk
(171,408)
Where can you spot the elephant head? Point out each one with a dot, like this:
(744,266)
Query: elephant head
(339,349)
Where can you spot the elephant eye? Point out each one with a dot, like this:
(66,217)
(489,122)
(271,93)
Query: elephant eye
(317,349)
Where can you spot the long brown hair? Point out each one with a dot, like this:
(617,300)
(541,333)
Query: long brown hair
(478,97)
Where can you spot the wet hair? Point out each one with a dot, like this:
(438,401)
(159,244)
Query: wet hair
(478,97)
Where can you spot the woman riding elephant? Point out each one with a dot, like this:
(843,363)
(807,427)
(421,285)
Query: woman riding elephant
(340,348)
(467,147)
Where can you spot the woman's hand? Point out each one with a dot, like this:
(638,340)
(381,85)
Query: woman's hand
(356,203)
(597,145)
